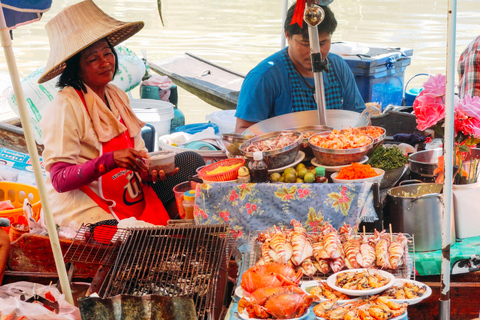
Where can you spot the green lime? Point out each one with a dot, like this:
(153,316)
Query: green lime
(275,176)
(299,180)
(299,166)
(309,177)
(282,179)
(290,170)
(301,172)
(290,177)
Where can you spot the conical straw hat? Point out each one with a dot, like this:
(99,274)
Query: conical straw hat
(77,27)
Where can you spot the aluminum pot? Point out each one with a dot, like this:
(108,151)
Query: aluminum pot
(417,209)
(423,163)
(337,119)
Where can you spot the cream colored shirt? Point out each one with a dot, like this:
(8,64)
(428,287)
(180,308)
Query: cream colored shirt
(69,136)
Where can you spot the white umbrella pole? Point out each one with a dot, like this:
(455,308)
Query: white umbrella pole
(448,147)
(284,16)
(32,150)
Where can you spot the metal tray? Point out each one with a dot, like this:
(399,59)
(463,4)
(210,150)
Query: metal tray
(252,254)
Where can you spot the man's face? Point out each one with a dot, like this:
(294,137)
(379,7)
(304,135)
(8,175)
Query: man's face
(299,51)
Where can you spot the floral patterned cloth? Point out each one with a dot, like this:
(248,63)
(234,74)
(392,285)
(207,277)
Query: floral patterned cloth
(251,207)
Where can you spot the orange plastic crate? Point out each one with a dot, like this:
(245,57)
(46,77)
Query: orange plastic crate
(231,174)
(16,193)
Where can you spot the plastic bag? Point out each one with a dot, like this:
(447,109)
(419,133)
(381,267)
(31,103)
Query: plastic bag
(38,96)
(34,225)
(11,304)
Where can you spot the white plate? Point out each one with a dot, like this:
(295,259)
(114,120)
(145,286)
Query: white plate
(300,156)
(400,317)
(309,285)
(305,315)
(239,292)
(332,279)
(334,168)
(400,282)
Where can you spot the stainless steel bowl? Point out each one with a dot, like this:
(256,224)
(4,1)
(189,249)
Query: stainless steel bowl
(423,163)
(276,158)
(376,141)
(307,132)
(391,177)
(338,157)
(232,142)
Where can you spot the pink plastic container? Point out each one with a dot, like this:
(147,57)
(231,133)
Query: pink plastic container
(179,190)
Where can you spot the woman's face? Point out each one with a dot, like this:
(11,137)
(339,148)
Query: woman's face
(97,65)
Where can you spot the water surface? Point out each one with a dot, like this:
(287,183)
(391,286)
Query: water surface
(238,34)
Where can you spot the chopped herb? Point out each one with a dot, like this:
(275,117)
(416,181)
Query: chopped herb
(387,158)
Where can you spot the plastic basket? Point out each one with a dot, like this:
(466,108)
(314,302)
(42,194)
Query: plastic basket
(16,193)
(231,174)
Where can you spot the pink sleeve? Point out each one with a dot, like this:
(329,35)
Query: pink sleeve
(66,177)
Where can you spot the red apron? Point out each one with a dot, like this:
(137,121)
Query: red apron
(122,192)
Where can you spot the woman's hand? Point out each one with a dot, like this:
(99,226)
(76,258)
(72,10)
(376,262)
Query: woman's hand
(157,175)
(131,159)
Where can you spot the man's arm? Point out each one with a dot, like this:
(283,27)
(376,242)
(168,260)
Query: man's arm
(242,125)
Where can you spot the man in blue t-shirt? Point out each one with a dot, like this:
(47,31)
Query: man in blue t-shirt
(284,82)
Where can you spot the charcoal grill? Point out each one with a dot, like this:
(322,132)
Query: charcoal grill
(179,260)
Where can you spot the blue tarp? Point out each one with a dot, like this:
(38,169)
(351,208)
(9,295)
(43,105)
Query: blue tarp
(21,12)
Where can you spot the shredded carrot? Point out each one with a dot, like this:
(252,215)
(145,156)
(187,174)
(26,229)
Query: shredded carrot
(356,171)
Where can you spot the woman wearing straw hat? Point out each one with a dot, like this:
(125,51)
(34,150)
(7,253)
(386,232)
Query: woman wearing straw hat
(93,146)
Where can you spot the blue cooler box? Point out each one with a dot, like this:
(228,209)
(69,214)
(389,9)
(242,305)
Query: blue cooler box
(379,74)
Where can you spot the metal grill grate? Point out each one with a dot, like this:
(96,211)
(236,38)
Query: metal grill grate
(178,260)
(96,245)
(252,254)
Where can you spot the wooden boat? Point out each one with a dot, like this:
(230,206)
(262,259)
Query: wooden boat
(210,82)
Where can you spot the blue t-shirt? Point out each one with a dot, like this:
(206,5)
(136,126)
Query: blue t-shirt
(267,91)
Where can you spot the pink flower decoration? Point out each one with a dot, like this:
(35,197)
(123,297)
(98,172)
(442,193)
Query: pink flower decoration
(247,205)
(226,219)
(300,195)
(233,192)
(306,192)
(345,199)
(236,196)
(311,224)
(227,214)
(436,85)
(221,214)
(340,200)
(470,106)
(471,126)
(315,229)
(254,207)
(343,192)
(300,191)
(428,111)
(232,197)
(249,211)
